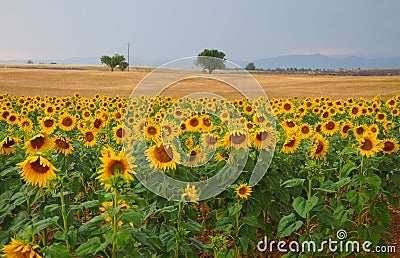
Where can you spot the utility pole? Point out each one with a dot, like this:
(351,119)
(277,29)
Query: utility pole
(128,54)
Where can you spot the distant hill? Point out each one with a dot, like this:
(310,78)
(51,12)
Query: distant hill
(326,62)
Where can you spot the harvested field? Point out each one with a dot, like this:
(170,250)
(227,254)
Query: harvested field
(19,81)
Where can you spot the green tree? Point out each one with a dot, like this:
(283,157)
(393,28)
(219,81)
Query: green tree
(250,66)
(211,59)
(113,61)
(123,65)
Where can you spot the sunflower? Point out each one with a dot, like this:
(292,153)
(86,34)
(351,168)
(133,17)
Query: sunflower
(7,145)
(47,124)
(360,130)
(330,127)
(63,145)
(390,146)
(373,129)
(196,157)
(38,143)
(243,191)
(36,170)
(319,147)
(113,164)
(206,124)
(369,145)
(98,123)
(287,107)
(292,142)
(12,119)
(169,130)
(381,117)
(18,249)
(162,156)
(305,130)
(355,111)
(26,124)
(209,141)
(194,124)
(152,131)
(289,125)
(119,132)
(66,122)
(190,194)
(344,130)
(237,139)
(263,138)
(89,138)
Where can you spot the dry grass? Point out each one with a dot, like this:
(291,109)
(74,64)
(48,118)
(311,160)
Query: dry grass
(22,81)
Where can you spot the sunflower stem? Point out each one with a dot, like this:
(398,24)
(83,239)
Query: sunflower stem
(309,195)
(115,224)
(361,188)
(65,217)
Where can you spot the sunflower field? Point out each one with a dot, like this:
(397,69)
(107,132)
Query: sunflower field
(70,169)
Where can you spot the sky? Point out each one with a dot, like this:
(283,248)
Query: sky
(243,30)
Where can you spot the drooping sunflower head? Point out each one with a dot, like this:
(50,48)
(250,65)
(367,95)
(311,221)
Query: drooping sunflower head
(26,124)
(237,139)
(209,141)
(330,127)
(38,143)
(63,145)
(291,144)
(263,138)
(243,191)
(319,147)
(36,170)
(289,125)
(7,145)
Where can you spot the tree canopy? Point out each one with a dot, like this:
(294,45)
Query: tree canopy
(211,59)
(113,61)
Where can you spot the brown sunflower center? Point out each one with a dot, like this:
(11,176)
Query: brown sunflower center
(38,168)
(48,122)
(38,142)
(9,143)
(211,140)
(97,123)
(325,115)
(151,130)
(389,146)
(5,114)
(290,124)
(305,130)
(261,136)
(360,130)
(12,118)
(25,124)
(162,154)
(50,109)
(320,147)
(120,132)
(330,125)
(287,106)
(290,143)
(381,116)
(367,145)
(249,108)
(62,144)
(194,122)
(116,167)
(354,110)
(89,136)
(242,190)
(238,138)
(346,128)
(207,122)
(67,121)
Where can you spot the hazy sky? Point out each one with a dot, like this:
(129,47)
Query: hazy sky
(244,30)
